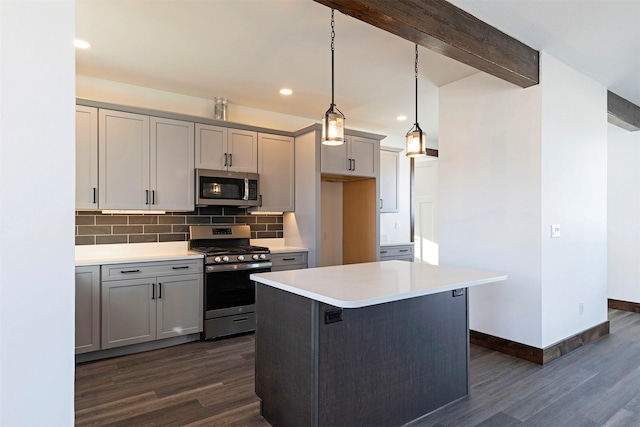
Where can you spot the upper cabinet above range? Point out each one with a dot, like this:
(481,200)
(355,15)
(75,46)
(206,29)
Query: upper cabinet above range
(221,148)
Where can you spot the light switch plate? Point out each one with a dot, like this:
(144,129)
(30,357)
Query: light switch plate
(555,231)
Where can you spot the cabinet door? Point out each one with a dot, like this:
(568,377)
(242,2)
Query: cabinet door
(86,157)
(363,155)
(124,160)
(335,159)
(388,181)
(172,165)
(276,169)
(128,312)
(210,147)
(242,147)
(179,305)
(87,309)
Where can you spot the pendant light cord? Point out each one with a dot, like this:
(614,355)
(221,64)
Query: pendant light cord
(416,74)
(333,36)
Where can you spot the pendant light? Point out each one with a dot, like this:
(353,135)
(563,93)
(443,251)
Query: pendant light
(333,119)
(416,139)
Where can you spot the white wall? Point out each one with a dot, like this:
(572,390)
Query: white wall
(623,217)
(489,199)
(143,97)
(574,195)
(512,162)
(37,166)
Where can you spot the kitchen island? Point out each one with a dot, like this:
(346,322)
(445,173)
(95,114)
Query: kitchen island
(371,344)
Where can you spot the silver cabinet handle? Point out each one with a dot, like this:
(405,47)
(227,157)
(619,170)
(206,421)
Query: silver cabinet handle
(354,165)
(349,164)
(242,319)
(381,203)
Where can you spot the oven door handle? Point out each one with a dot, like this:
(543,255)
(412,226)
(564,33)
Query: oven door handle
(232,267)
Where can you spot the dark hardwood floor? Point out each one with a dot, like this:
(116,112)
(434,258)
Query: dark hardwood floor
(210,383)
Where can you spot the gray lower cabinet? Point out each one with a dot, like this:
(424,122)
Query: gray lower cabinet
(87,309)
(159,301)
(288,261)
(402,252)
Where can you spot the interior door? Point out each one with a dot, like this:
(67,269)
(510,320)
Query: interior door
(426,209)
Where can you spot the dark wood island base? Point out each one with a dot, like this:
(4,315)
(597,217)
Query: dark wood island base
(380,365)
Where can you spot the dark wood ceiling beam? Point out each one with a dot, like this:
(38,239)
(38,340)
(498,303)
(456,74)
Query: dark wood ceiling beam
(623,113)
(440,26)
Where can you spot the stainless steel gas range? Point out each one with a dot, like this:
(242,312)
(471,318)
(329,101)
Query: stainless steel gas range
(229,294)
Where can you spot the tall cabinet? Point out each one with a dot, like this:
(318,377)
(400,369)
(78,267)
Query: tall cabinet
(337,196)
(276,170)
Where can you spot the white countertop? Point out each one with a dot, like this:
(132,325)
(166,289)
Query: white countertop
(135,252)
(362,285)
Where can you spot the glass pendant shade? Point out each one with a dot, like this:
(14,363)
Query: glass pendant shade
(332,128)
(416,142)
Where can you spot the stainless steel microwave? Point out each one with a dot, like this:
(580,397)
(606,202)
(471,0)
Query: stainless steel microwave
(215,187)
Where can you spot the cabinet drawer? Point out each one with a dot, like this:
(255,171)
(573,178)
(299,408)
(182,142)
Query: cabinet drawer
(150,269)
(396,252)
(287,260)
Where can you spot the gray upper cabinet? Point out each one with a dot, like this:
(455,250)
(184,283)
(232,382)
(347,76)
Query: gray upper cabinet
(86,157)
(276,169)
(172,165)
(220,148)
(124,160)
(87,309)
(357,156)
(389,163)
(145,162)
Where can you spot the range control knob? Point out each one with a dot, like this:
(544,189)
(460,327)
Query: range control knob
(217,259)
(255,257)
(263,256)
(225,258)
(240,257)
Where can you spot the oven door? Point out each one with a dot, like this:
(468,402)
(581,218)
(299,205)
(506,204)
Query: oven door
(229,292)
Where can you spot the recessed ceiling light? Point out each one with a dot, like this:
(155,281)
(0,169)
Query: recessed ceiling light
(401,118)
(81,44)
(286,91)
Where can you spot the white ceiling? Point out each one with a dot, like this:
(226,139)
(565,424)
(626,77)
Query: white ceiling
(246,50)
